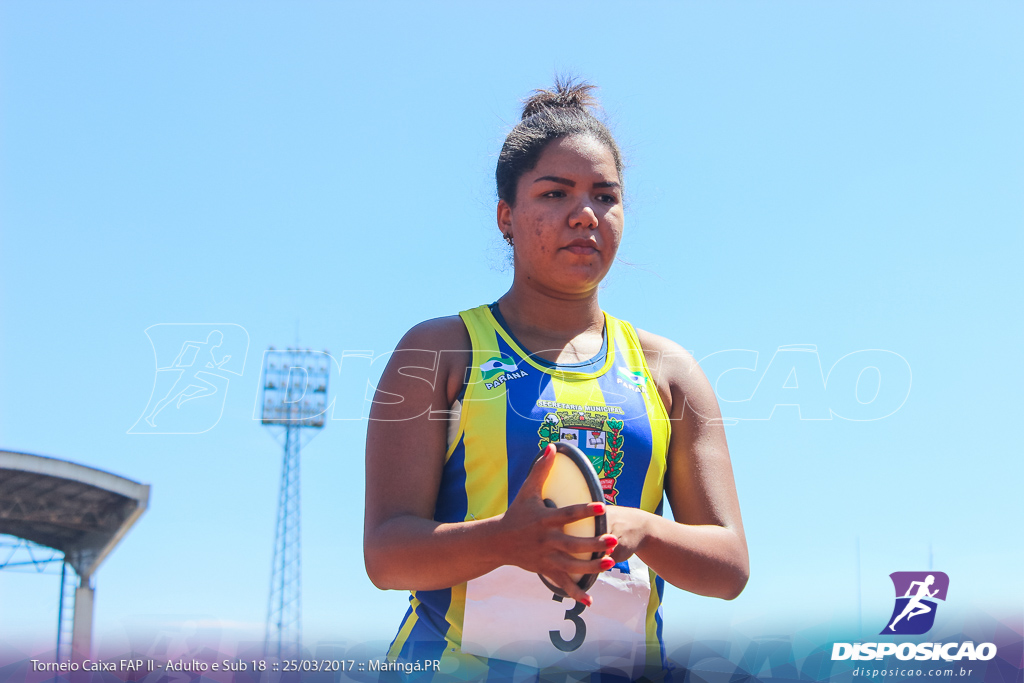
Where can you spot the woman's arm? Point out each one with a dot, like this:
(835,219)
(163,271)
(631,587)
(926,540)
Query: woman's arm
(404,548)
(704,550)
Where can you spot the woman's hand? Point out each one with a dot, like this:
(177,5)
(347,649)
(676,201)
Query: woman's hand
(629,527)
(537,541)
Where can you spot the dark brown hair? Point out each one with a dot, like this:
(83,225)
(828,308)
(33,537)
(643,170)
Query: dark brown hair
(549,115)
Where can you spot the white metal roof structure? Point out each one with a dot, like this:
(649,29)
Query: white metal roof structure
(80,511)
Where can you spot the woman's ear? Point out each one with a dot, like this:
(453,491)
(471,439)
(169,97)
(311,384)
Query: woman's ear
(504,218)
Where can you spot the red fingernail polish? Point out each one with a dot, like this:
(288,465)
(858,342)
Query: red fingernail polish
(598,508)
(607,563)
(588,601)
(610,541)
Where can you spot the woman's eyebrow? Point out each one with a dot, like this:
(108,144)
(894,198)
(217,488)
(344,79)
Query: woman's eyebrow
(556,179)
(572,183)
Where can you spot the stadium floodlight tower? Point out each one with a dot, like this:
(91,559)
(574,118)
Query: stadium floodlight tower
(294,399)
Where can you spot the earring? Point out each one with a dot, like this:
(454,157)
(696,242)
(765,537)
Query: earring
(508,238)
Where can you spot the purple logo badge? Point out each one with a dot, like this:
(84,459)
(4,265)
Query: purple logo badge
(916,593)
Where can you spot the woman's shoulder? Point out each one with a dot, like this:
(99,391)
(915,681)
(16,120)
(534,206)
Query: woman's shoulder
(440,347)
(659,349)
(437,334)
(676,372)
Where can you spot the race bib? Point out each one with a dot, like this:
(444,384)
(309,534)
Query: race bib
(511,615)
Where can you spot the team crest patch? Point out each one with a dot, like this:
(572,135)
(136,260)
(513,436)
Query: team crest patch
(598,436)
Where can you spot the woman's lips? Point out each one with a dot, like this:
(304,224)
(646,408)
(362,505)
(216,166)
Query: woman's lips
(581,247)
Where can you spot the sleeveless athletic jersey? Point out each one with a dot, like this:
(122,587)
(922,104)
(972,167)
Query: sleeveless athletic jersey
(506,624)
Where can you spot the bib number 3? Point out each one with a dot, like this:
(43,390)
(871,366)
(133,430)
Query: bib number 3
(573,615)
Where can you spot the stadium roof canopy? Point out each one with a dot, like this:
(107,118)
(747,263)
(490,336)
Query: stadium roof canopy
(80,511)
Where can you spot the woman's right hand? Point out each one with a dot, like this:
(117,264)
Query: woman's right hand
(537,541)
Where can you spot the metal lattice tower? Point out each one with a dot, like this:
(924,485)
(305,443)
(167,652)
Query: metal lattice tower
(18,554)
(294,398)
(65,611)
(284,609)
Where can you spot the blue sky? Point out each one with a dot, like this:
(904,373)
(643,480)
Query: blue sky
(844,175)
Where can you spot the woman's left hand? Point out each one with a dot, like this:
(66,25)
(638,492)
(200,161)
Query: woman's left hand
(629,526)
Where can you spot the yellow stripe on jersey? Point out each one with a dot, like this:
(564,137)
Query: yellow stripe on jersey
(486,466)
(403,633)
(654,483)
(653,644)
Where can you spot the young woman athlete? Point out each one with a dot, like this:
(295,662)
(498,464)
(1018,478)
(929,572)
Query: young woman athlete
(453,509)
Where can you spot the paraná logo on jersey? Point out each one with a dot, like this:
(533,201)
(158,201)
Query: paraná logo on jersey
(497,365)
(502,369)
(636,381)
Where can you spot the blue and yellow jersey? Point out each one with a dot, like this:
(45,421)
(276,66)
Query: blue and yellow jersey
(515,404)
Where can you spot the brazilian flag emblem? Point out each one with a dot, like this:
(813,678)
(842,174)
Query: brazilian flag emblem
(496,365)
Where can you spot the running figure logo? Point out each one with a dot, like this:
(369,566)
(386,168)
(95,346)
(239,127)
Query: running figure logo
(916,593)
(193,361)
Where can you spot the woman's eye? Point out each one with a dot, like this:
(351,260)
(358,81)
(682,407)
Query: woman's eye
(608,198)
(554,193)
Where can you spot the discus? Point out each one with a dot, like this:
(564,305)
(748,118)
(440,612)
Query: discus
(573,481)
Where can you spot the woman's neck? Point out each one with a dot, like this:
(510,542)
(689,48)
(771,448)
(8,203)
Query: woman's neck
(543,320)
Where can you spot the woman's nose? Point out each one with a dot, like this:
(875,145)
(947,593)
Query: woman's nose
(583,216)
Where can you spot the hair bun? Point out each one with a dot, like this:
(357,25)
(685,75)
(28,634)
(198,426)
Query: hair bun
(567,109)
(567,94)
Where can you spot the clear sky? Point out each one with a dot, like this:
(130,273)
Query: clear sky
(847,175)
